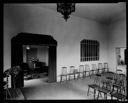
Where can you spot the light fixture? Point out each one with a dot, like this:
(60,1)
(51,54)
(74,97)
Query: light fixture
(27,47)
(66,9)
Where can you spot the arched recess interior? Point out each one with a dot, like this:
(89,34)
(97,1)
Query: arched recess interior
(33,39)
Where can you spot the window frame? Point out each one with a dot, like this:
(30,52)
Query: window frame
(89,50)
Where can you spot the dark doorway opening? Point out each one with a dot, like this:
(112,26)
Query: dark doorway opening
(17,54)
(35,64)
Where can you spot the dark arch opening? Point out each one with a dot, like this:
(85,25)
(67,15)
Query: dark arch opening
(33,39)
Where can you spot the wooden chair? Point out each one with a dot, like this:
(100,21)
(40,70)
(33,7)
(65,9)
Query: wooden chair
(94,70)
(120,80)
(119,87)
(100,68)
(118,71)
(81,71)
(106,68)
(95,85)
(119,93)
(71,72)
(63,73)
(76,73)
(87,70)
(106,87)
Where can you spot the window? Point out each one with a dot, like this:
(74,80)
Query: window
(89,50)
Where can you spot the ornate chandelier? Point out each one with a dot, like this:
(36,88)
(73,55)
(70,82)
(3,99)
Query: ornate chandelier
(66,9)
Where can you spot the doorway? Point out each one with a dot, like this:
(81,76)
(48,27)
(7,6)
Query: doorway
(35,61)
(121,60)
(22,39)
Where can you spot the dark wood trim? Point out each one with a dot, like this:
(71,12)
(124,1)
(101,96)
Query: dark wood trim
(21,39)
(52,64)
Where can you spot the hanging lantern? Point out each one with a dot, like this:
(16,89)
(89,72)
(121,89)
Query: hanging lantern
(66,9)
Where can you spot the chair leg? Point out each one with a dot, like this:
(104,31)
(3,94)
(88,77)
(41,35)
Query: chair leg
(111,97)
(90,75)
(66,78)
(6,93)
(98,95)
(83,74)
(97,71)
(105,96)
(61,78)
(94,93)
(74,76)
(88,90)
(78,76)
(9,93)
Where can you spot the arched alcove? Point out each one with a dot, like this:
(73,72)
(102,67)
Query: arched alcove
(33,39)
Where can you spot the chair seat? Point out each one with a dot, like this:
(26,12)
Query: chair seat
(86,71)
(94,86)
(118,95)
(98,74)
(104,90)
(63,74)
(76,72)
(79,72)
(119,70)
(93,70)
(110,72)
(71,73)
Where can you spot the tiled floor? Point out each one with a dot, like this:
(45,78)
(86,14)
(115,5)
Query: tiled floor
(74,89)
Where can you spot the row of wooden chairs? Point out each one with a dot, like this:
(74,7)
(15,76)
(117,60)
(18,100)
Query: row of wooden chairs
(114,86)
(83,71)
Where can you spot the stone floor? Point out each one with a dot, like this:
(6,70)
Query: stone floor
(37,89)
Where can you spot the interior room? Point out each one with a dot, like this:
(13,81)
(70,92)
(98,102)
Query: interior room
(35,57)
(63,52)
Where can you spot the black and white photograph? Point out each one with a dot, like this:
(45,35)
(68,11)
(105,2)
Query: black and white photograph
(64,51)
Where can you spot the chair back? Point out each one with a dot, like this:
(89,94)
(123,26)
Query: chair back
(72,68)
(100,66)
(107,83)
(64,70)
(105,65)
(122,76)
(94,67)
(81,68)
(97,80)
(121,79)
(87,68)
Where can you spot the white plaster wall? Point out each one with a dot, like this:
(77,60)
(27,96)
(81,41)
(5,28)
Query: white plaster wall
(117,38)
(44,21)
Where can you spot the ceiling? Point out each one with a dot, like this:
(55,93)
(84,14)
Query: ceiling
(101,12)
